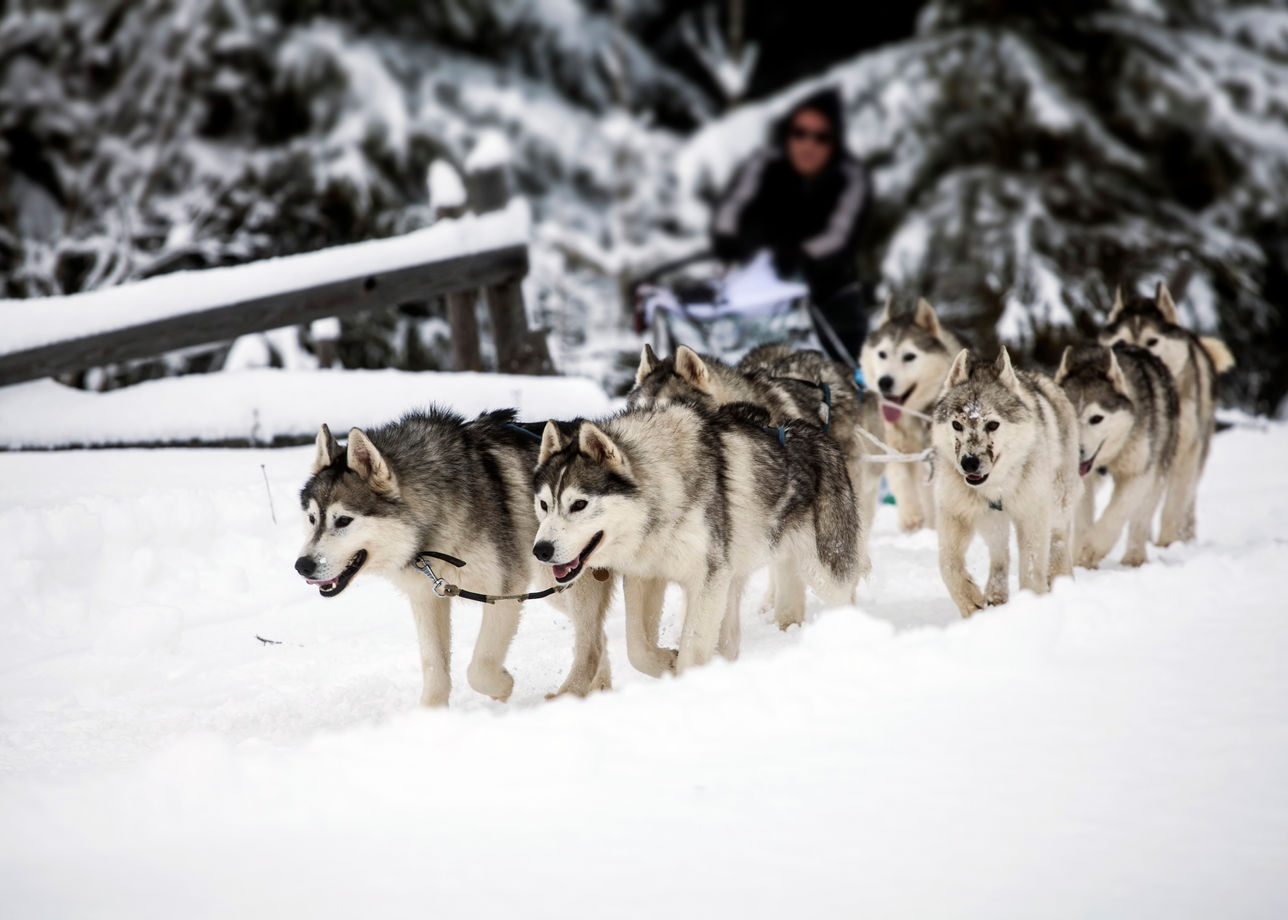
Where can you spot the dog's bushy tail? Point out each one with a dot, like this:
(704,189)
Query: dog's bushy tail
(1219,352)
(837,528)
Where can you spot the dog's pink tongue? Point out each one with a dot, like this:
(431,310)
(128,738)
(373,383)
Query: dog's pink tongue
(1084,467)
(890,413)
(562,570)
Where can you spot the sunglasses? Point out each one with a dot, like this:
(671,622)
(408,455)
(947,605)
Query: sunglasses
(805,134)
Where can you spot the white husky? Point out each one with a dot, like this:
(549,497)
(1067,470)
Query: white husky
(1006,444)
(906,358)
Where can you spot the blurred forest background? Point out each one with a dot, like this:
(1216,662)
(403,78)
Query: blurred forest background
(1027,156)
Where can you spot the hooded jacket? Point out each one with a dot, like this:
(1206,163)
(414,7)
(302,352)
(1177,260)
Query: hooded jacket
(810,225)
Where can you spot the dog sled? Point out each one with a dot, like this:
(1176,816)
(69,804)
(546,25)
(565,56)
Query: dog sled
(686,303)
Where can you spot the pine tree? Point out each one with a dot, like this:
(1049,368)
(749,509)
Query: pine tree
(1036,156)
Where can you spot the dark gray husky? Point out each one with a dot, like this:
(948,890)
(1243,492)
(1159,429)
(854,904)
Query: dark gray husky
(1128,420)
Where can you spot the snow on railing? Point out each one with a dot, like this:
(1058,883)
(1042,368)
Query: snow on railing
(487,250)
(30,323)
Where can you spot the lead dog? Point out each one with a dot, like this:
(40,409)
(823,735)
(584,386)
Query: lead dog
(433,481)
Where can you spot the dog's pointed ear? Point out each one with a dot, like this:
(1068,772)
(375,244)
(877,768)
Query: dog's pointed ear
(600,448)
(1116,310)
(959,371)
(690,366)
(1063,371)
(1114,374)
(327,450)
(888,313)
(648,363)
(367,462)
(925,317)
(1006,372)
(1166,306)
(552,441)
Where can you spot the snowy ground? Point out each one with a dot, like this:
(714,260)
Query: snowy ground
(1117,749)
(255,406)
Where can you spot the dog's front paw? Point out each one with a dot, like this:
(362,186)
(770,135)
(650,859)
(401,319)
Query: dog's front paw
(971,600)
(1135,558)
(792,616)
(652,661)
(996,595)
(911,522)
(1087,558)
(494,682)
(434,698)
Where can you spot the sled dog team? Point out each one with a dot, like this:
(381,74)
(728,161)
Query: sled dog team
(714,471)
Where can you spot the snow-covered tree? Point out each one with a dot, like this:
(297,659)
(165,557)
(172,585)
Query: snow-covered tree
(1028,158)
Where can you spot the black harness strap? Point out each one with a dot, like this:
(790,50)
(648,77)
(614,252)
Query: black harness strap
(459,563)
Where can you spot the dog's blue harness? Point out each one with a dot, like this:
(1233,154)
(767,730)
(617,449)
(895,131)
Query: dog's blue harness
(781,431)
(529,433)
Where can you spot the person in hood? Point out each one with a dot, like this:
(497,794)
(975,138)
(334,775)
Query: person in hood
(803,198)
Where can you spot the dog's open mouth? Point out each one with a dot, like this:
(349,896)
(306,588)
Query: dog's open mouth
(333,586)
(891,409)
(1085,466)
(567,571)
(977,479)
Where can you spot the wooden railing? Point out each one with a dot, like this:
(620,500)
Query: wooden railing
(495,273)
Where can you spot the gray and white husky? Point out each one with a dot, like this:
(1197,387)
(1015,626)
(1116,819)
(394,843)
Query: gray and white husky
(906,357)
(699,498)
(1006,445)
(1195,363)
(435,482)
(788,384)
(1127,428)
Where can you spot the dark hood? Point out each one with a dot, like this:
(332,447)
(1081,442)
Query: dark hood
(825,101)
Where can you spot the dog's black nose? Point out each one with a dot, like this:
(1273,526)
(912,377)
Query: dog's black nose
(885,383)
(544,550)
(306,566)
(970,463)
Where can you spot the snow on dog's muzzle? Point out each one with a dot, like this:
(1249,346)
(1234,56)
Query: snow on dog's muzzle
(330,587)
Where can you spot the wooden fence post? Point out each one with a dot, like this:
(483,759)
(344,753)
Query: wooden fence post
(448,198)
(519,350)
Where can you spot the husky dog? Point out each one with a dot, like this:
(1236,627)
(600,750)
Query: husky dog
(677,493)
(1195,363)
(789,385)
(432,481)
(907,358)
(1007,446)
(851,409)
(1127,428)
